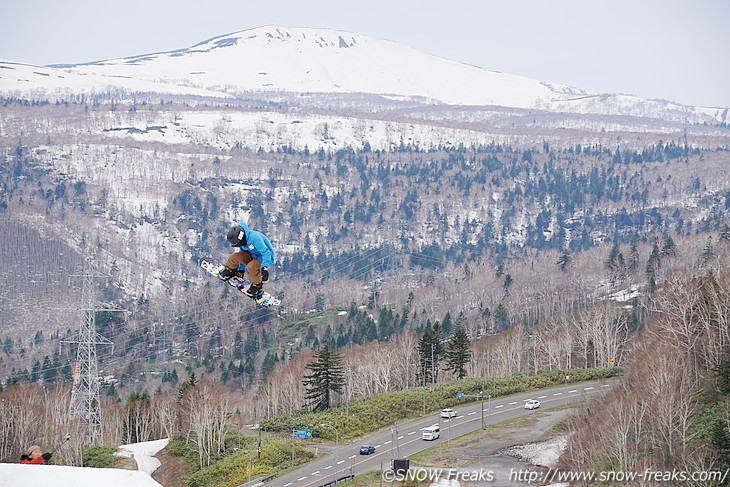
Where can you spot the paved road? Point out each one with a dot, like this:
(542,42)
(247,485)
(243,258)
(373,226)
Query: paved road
(405,439)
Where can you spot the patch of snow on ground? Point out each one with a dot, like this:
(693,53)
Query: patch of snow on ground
(626,294)
(16,475)
(144,453)
(439,482)
(542,454)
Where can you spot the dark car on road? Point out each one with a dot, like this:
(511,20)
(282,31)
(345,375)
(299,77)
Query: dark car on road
(367,449)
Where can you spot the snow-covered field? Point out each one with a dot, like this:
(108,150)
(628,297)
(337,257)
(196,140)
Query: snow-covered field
(16,475)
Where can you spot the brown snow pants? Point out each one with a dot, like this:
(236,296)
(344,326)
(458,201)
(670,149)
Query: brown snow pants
(253,266)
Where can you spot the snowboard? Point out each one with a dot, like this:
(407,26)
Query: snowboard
(239,283)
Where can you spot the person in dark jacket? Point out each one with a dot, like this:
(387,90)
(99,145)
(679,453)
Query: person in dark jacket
(255,256)
(34,456)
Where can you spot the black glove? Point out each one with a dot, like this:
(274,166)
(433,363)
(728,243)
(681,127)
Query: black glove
(265,274)
(47,456)
(24,457)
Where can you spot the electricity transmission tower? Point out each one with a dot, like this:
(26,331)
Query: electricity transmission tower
(391,261)
(85,403)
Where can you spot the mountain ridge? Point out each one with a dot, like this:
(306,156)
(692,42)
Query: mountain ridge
(280,60)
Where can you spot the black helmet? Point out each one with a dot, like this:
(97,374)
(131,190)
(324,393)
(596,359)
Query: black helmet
(236,236)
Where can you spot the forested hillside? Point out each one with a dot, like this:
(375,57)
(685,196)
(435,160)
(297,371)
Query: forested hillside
(415,246)
(671,412)
(386,224)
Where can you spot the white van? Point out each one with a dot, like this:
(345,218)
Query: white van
(430,433)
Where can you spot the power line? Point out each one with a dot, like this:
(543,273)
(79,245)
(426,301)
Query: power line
(249,324)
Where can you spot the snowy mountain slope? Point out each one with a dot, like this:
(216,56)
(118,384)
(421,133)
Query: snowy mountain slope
(321,60)
(272,130)
(15,475)
(270,60)
(39,82)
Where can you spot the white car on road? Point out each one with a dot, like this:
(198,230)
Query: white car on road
(532,404)
(448,413)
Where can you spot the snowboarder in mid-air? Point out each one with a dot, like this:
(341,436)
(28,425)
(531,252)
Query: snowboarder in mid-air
(255,255)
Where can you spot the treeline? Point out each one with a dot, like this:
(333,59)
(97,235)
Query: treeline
(549,300)
(200,418)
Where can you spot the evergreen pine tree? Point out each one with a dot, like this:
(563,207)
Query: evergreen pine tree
(49,372)
(326,376)
(652,265)
(238,346)
(507,283)
(319,302)
(185,386)
(430,350)
(633,262)
(446,325)
(501,318)
(709,251)
(725,233)
(457,353)
(612,260)
(669,248)
(564,260)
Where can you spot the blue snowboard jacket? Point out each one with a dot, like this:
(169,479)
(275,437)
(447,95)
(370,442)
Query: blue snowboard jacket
(258,246)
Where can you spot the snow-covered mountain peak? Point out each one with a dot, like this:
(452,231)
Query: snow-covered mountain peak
(299,38)
(275,58)
(322,38)
(288,60)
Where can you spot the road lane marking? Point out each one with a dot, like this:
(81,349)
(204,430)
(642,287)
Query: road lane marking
(352,456)
(514,403)
(574,390)
(542,397)
(341,461)
(387,442)
(497,407)
(287,485)
(472,413)
(400,437)
(558,394)
(411,433)
(315,473)
(587,388)
(300,479)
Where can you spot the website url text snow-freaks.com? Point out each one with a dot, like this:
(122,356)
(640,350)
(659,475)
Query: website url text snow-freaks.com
(556,475)
(648,475)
